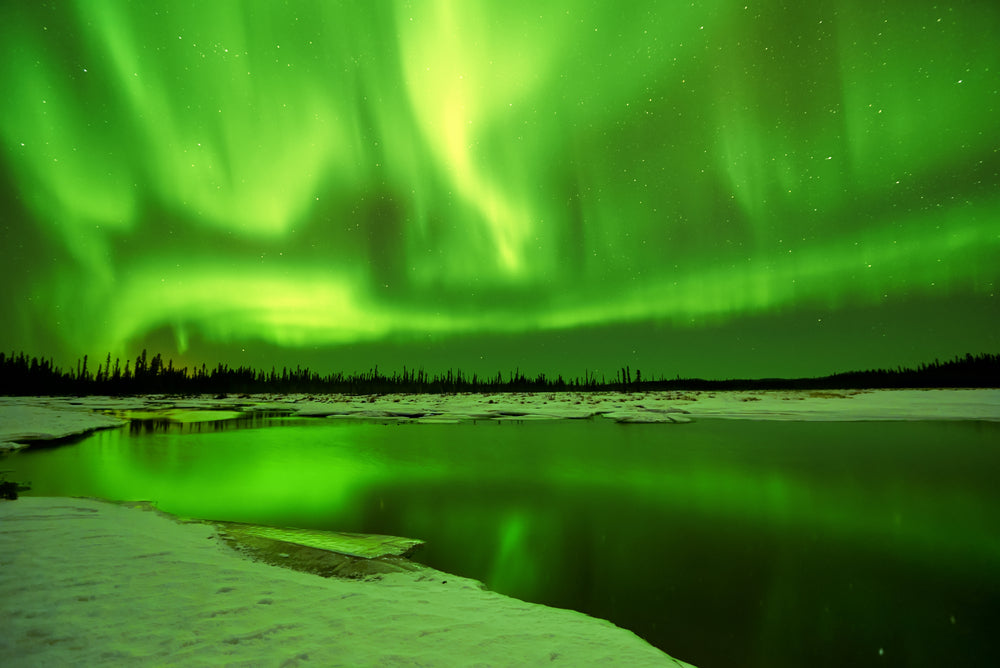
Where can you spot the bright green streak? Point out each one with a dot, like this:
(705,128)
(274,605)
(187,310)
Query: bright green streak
(314,173)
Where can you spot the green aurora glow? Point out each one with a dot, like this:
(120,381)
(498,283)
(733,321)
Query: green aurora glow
(704,188)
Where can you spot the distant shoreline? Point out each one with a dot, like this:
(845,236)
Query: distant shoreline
(49,420)
(24,376)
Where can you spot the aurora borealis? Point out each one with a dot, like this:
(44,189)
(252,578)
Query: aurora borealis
(712,188)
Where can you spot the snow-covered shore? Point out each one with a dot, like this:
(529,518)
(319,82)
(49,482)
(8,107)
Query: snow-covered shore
(84,582)
(32,419)
(665,407)
(25,420)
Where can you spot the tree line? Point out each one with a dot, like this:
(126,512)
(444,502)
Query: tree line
(24,376)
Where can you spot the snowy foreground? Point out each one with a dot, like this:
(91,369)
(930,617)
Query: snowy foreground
(84,582)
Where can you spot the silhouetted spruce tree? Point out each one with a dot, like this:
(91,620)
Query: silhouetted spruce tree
(22,375)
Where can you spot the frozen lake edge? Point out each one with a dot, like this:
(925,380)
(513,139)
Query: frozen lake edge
(26,420)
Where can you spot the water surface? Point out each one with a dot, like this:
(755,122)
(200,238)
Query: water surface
(726,543)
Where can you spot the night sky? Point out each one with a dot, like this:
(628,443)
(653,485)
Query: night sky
(714,189)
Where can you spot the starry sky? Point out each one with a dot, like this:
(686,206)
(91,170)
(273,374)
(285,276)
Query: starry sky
(712,189)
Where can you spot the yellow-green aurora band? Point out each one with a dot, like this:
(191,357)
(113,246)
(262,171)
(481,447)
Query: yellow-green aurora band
(307,174)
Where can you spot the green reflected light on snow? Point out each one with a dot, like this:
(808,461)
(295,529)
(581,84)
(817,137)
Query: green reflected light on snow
(312,173)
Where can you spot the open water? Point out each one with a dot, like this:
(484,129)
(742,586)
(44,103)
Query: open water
(726,543)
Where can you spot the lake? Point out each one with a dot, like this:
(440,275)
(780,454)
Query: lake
(724,542)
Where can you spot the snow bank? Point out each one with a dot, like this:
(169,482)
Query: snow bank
(21,422)
(848,405)
(84,582)
(663,407)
